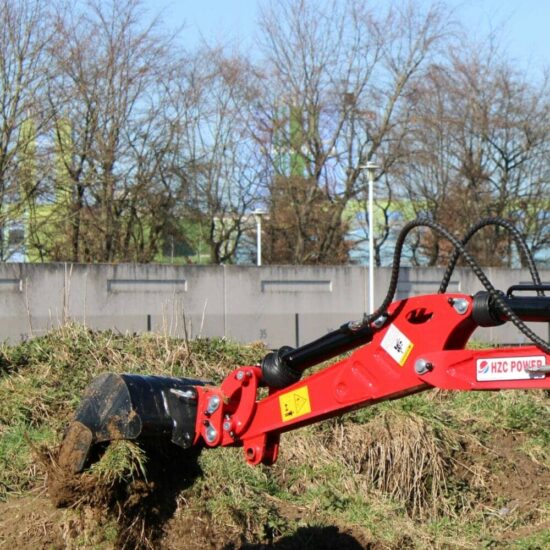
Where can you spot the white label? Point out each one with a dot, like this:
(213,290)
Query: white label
(397,345)
(509,368)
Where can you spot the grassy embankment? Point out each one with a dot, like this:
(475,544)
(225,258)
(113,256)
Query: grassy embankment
(435,470)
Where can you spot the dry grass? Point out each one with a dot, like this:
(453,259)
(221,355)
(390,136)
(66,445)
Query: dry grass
(398,454)
(403,456)
(423,472)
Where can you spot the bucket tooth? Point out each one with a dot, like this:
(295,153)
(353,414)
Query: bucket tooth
(76,446)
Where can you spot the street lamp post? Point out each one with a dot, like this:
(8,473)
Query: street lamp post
(258,213)
(371,170)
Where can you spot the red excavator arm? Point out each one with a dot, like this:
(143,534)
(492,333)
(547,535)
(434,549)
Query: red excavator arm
(404,347)
(417,347)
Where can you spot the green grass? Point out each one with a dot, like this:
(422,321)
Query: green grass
(362,472)
(537,541)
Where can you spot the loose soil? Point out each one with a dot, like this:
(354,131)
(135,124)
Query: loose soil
(31,522)
(155,513)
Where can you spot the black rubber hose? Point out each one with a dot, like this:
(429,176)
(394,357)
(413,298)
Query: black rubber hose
(497,297)
(518,238)
(286,365)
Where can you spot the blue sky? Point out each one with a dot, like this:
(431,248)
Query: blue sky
(524,25)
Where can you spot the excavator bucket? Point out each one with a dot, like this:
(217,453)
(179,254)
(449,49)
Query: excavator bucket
(130,406)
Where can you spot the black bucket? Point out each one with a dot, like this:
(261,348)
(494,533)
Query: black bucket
(130,406)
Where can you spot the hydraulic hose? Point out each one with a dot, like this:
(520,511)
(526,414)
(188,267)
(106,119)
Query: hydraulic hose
(286,365)
(518,238)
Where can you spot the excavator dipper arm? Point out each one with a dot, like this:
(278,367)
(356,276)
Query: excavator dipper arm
(404,347)
(418,346)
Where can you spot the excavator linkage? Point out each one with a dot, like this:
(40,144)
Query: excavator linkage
(404,347)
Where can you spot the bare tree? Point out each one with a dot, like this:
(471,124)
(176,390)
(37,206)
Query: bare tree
(24,34)
(335,79)
(105,97)
(480,148)
(219,158)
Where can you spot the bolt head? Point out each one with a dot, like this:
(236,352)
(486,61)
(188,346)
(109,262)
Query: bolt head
(240,375)
(422,366)
(210,434)
(213,404)
(380,321)
(460,305)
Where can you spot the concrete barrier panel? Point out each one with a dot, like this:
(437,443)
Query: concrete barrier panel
(279,305)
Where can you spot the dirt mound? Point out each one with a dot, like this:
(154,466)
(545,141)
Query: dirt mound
(164,508)
(157,511)
(439,470)
(508,482)
(137,501)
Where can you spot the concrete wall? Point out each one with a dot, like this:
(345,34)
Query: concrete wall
(276,304)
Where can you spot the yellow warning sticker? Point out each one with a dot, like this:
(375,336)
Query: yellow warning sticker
(294,404)
(397,345)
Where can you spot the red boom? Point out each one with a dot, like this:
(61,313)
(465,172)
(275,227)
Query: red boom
(419,346)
